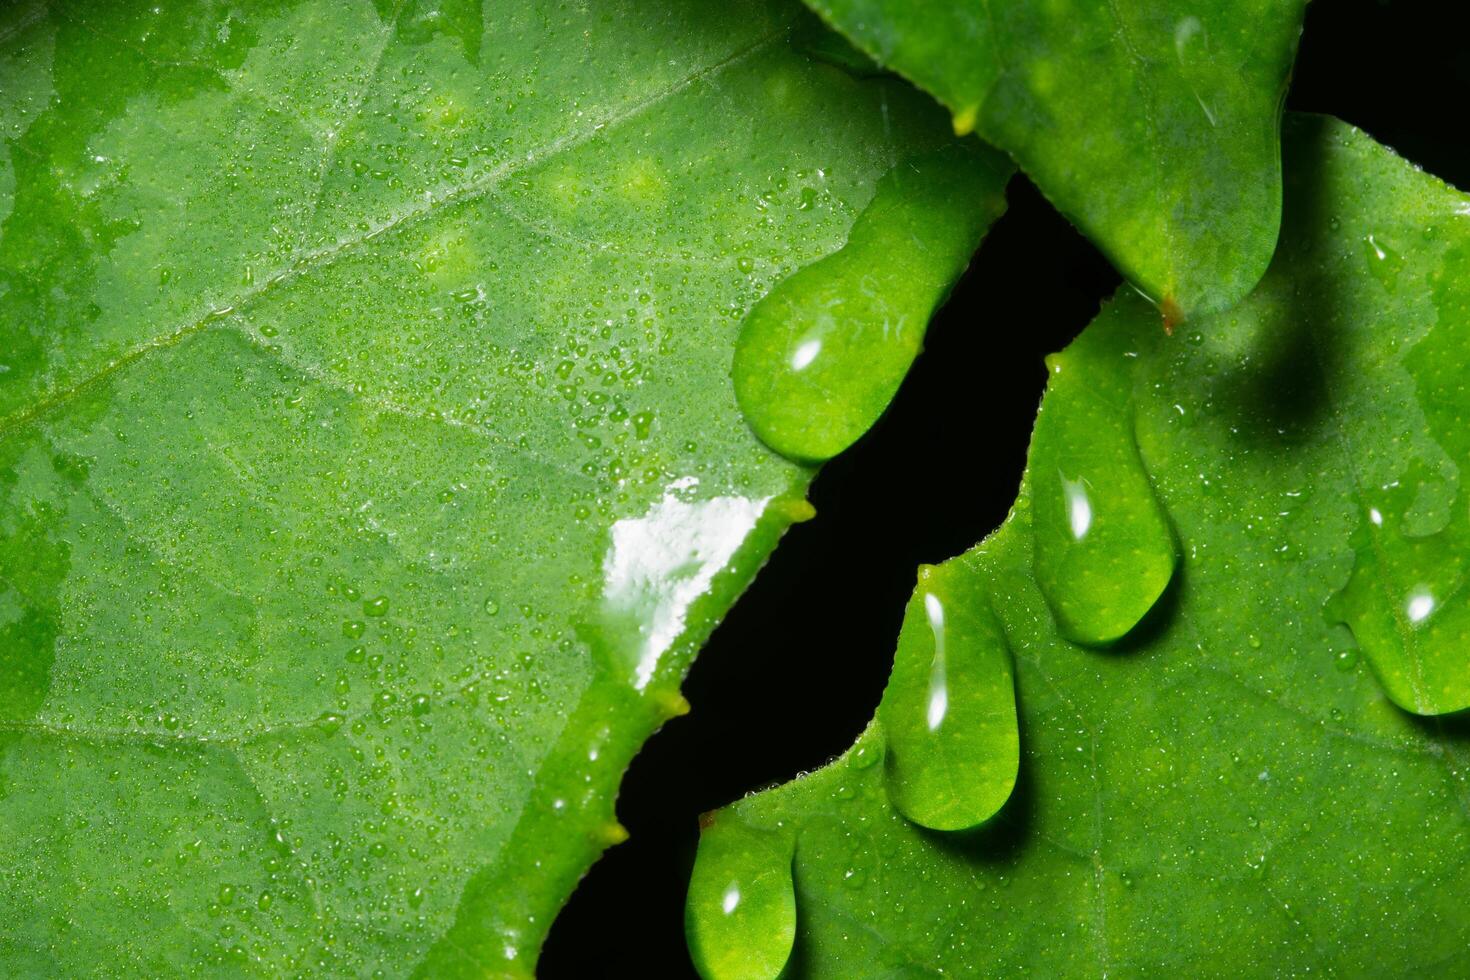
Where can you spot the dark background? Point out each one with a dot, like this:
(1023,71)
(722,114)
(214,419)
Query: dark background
(796,670)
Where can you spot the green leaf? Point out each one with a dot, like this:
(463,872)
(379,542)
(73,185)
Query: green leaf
(1233,788)
(369,464)
(1152,124)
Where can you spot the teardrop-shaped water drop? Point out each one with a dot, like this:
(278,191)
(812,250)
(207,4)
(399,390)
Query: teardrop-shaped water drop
(1404,602)
(1406,599)
(949,711)
(740,916)
(1104,548)
(822,355)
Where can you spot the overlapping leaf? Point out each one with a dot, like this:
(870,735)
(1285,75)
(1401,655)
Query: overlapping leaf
(1152,124)
(1243,786)
(369,466)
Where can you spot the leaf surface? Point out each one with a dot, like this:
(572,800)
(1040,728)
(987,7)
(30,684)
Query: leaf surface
(1154,125)
(1241,786)
(369,464)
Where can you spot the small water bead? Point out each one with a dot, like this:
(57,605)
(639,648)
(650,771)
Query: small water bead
(864,756)
(1384,261)
(949,712)
(1104,548)
(818,361)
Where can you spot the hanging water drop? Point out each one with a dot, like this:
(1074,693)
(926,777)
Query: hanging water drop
(740,916)
(1103,546)
(950,707)
(818,360)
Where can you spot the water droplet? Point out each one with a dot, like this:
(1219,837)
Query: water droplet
(741,912)
(1384,261)
(1406,598)
(949,711)
(1402,603)
(1104,549)
(822,355)
(864,756)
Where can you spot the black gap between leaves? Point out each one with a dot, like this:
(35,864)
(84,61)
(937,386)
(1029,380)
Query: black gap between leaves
(795,671)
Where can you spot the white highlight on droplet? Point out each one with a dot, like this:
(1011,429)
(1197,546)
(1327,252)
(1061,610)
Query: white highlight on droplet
(1079,507)
(938,685)
(1376,516)
(1419,606)
(806,352)
(659,564)
(731,898)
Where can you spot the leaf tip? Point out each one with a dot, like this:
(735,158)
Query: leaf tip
(671,704)
(612,833)
(1173,315)
(964,120)
(797,510)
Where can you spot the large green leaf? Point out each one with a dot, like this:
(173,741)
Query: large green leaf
(369,463)
(1231,790)
(1152,124)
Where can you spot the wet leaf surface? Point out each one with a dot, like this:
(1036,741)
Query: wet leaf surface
(369,464)
(1242,781)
